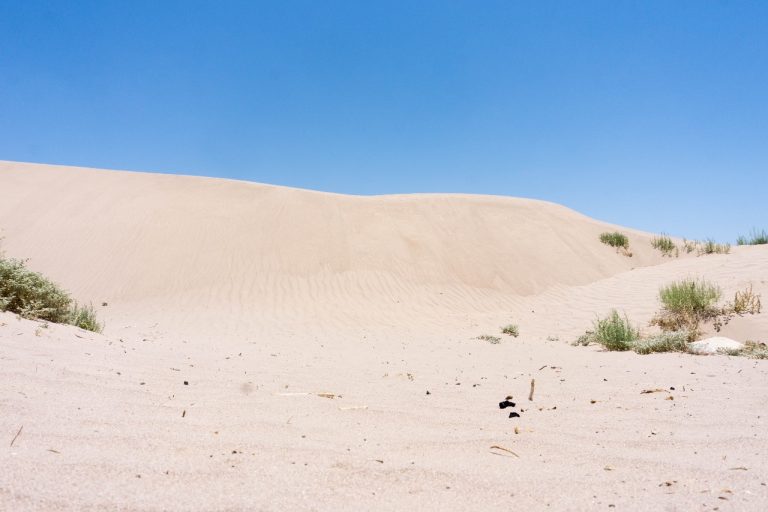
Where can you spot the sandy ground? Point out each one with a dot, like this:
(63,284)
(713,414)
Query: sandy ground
(234,308)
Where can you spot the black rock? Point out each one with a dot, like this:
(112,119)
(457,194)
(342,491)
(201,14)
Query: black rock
(505,404)
(513,414)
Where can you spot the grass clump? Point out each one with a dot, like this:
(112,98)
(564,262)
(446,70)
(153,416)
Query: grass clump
(689,246)
(615,332)
(84,317)
(625,337)
(686,304)
(689,296)
(751,349)
(511,330)
(665,244)
(615,239)
(756,237)
(494,340)
(31,295)
(663,342)
(709,246)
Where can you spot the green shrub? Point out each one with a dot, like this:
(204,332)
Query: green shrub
(511,330)
(711,247)
(663,342)
(756,237)
(84,317)
(689,295)
(686,304)
(31,295)
(665,244)
(490,339)
(615,239)
(615,332)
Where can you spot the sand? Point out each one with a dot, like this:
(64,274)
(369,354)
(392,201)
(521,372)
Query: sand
(328,347)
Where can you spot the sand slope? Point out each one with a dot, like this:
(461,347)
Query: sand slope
(193,246)
(261,297)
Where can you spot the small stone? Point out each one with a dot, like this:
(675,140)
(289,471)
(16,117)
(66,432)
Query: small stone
(505,404)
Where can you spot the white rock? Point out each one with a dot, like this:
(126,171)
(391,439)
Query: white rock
(712,345)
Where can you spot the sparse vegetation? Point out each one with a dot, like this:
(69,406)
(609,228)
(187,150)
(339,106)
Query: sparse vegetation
(615,239)
(490,339)
(665,244)
(756,237)
(689,295)
(746,302)
(585,339)
(511,330)
(709,246)
(686,304)
(31,295)
(689,245)
(662,342)
(615,332)
(751,349)
(84,317)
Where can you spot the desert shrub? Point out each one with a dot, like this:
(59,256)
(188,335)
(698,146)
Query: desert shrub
(746,302)
(615,239)
(756,237)
(511,330)
(585,339)
(751,349)
(711,247)
(689,295)
(665,244)
(31,295)
(84,317)
(615,332)
(490,339)
(686,304)
(663,342)
(755,350)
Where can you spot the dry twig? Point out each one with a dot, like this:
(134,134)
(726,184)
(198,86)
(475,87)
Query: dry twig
(17,435)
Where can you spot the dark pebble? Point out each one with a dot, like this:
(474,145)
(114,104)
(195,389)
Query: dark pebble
(505,404)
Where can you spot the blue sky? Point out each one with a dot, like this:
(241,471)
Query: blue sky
(651,114)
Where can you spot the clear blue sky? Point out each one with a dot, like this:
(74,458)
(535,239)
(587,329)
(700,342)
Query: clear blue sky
(651,114)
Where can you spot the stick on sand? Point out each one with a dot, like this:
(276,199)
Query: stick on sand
(530,395)
(17,435)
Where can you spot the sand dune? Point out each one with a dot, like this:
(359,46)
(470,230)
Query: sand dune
(260,297)
(191,246)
